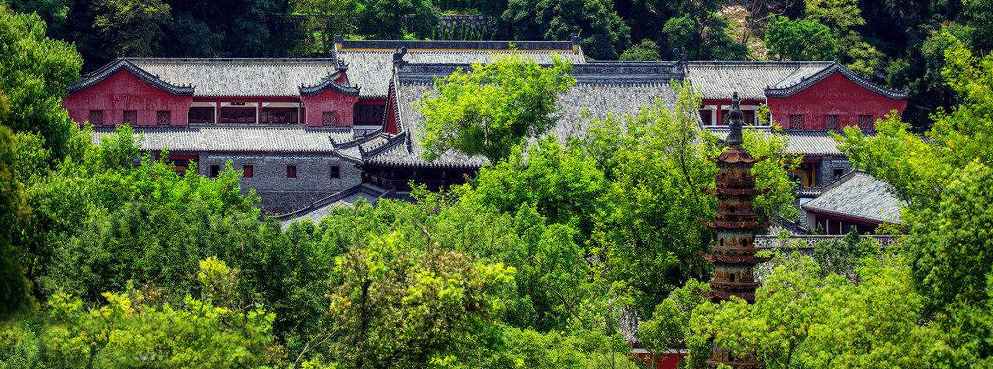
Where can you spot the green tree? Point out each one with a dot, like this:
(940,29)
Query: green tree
(671,319)
(974,16)
(100,221)
(602,32)
(131,27)
(841,256)
(835,14)
(943,180)
(562,183)
(946,180)
(53,12)
(396,19)
(577,349)
(647,50)
(34,73)
(136,329)
(843,17)
(493,107)
(401,307)
(802,39)
(694,26)
(802,320)
(705,37)
(13,210)
(325,19)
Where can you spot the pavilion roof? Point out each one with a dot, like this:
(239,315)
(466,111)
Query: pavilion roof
(859,195)
(241,77)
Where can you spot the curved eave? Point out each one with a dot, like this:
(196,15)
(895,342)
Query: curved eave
(850,217)
(827,72)
(346,157)
(110,69)
(329,83)
(361,140)
(424,164)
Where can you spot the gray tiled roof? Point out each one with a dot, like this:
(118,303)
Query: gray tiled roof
(719,79)
(236,138)
(596,94)
(370,63)
(813,143)
(861,196)
(240,77)
(345,198)
(354,147)
(456,44)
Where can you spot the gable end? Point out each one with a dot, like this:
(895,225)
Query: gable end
(123,63)
(804,83)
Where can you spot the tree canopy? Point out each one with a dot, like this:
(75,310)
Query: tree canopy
(493,107)
(34,73)
(802,39)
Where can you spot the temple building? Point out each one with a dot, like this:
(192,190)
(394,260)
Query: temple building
(806,99)
(304,131)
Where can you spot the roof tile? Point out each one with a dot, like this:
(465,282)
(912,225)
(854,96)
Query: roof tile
(859,195)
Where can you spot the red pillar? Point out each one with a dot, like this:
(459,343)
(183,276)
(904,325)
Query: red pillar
(720,115)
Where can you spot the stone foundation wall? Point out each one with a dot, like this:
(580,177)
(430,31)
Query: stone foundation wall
(828,166)
(281,194)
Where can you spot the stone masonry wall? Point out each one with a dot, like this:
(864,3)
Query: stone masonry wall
(281,194)
(828,165)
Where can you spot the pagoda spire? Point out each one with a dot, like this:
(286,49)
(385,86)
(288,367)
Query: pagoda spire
(735,137)
(736,224)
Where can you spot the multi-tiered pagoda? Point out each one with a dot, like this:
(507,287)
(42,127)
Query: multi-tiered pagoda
(736,223)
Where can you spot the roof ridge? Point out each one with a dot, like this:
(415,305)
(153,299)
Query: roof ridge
(759,63)
(601,73)
(457,44)
(236,60)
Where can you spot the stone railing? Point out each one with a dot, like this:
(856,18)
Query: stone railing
(774,242)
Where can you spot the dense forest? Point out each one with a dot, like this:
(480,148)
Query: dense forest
(555,256)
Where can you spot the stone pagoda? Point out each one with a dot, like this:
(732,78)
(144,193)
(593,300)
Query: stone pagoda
(736,223)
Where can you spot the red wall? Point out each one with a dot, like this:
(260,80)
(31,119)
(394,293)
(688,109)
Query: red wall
(667,360)
(833,95)
(328,100)
(390,125)
(123,91)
